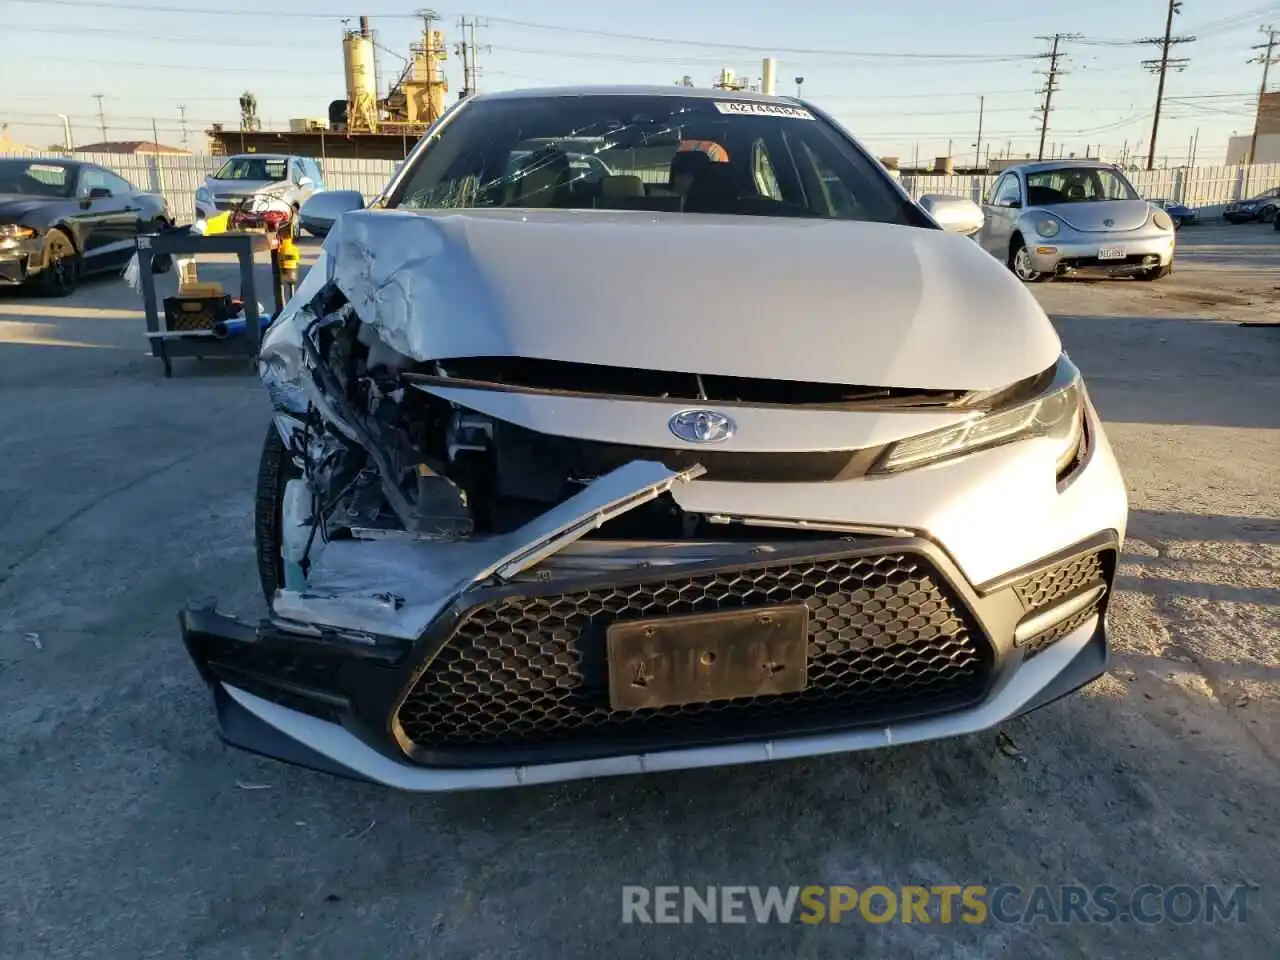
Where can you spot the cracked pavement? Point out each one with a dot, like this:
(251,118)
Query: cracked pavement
(129,830)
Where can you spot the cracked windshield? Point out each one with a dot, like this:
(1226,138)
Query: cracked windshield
(661,154)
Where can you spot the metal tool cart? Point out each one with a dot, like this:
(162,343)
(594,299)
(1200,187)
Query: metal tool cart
(197,321)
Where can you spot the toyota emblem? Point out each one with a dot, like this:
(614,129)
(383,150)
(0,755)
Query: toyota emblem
(701,426)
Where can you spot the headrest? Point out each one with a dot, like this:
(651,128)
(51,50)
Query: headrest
(540,177)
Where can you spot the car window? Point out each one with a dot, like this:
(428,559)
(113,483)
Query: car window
(97,178)
(1010,192)
(1077,185)
(312,167)
(840,198)
(270,169)
(671,153)
(295,170)
(762,172)
(34,178)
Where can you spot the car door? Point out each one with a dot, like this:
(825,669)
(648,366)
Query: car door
(107,216)
(138,214)
(1001,213)
(298,173)
(990,215)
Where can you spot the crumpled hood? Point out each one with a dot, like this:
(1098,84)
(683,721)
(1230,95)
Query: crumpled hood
(15,206)
(1093,217)
(793,299)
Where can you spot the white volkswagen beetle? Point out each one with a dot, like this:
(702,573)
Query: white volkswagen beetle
(1075,217)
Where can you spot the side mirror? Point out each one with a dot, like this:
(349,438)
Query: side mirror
(98,193)
(954,214)
(1013,204)
(322,209)
(305,182)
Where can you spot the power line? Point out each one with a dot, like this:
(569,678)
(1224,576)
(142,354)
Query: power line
(1051,82)
(959,58)
(1162,66)
(1266,59)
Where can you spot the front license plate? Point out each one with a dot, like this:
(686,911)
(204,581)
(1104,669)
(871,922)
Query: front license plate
(1111,253)
(708,656)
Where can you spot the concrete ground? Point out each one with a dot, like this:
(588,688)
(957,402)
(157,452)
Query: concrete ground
(128,830)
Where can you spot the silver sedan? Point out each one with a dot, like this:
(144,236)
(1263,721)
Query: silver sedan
(1063,218)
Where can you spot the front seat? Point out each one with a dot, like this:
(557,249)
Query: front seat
(685,168)
(712,191)
(541,179)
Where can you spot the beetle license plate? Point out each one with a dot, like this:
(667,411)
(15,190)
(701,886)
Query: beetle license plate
(1111,253)
(704,657)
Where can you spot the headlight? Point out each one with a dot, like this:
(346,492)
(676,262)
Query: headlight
(202,194)
(1057,414)
(11,231)
(1048,227)
(1161,220)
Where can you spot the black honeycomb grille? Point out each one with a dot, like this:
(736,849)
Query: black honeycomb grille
(1055,583)
(1043,641)
(887,638)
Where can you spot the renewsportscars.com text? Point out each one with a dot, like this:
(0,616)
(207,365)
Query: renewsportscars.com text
(942,904)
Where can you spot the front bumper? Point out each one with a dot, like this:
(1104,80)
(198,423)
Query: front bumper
(508,685)
(1141,253)
(19,260)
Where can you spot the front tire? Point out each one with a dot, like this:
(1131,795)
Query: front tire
(275,469)
(1156,273)
(60,266)
(1020,263)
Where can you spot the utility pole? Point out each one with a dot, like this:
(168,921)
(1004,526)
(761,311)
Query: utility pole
(1051,81)
(469,50)
(102,117)
(1266,59)
(977,147)
(182,119)
(1195,147)
(1162,66)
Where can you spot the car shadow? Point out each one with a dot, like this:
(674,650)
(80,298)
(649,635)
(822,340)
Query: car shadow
(1167,370)
(100,331)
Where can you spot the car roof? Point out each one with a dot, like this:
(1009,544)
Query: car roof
(652,90)
(261,156)
(52,161)
(1035,166)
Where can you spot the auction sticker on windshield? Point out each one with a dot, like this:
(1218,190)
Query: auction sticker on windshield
(762,110)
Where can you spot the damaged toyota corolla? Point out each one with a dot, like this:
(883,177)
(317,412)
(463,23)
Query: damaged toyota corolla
(714,448)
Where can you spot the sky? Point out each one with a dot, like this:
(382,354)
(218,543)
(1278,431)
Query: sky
(906,79)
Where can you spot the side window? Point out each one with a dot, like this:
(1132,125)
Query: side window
(1009,191)
(295,170)
(119,186)
(91,178)
(840,199)
(762,172)
(995,189)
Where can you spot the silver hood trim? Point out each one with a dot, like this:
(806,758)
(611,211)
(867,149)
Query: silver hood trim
(793,299)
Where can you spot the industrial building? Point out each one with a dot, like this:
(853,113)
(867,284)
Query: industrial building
(366,123)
